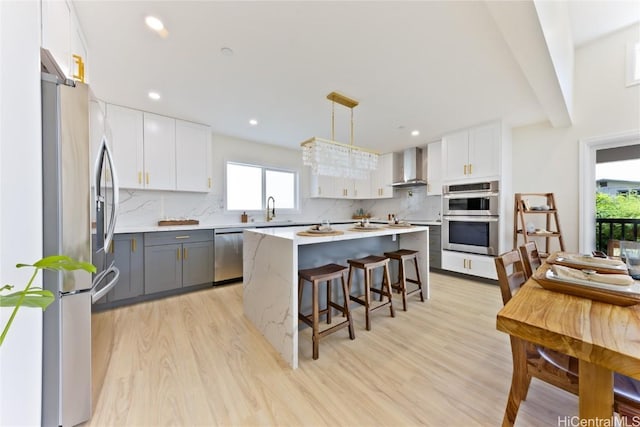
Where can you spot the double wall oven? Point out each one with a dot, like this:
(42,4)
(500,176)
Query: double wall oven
(471,217)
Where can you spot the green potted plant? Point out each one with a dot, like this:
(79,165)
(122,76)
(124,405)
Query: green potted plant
(32,296)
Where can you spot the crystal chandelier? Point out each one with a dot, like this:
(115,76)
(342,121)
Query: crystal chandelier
(331,158)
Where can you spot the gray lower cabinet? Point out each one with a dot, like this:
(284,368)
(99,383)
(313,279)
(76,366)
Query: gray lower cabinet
(128,257)
(435,246)
(174,259)
(126,252)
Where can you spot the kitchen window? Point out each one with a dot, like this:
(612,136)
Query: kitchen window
(249,186)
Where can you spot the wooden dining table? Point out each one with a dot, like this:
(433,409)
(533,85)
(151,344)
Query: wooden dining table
(604,337)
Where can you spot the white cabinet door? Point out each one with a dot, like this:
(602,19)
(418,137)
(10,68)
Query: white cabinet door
(193,157)
(382,177)
(484,151)
(127,143)
(475,265)
(323,186)
(456,155)
(343,188)
(159,152)
(473,154)
(78,47)
(361,189)
(434,168)
(56,32)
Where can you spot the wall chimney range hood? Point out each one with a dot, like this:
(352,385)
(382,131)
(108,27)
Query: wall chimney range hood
(408,168)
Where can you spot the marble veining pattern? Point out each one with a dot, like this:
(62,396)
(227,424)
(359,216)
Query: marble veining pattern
(270,270)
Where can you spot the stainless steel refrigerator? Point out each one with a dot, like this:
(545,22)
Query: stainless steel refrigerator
(73,186)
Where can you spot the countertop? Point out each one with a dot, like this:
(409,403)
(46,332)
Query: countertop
(264,224)
(348,233)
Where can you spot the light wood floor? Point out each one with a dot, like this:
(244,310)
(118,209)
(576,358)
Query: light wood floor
(194,360)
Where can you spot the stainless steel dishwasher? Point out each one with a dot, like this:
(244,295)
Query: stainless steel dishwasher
(228,255)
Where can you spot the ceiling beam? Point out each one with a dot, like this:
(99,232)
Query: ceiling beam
(545,59)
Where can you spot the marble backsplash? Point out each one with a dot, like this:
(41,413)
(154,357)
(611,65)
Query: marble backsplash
(146,208)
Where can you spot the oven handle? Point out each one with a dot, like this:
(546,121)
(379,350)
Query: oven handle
(471,218)
(470,195)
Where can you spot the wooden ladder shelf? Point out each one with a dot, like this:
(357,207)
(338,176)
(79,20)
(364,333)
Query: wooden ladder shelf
(527,204)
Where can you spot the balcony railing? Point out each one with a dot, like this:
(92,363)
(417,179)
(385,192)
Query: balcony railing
(615,228)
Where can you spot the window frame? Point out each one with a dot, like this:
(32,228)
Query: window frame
(264,169)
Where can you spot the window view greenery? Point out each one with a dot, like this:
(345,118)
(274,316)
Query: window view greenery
(617,217)
(249,186)
(618,206)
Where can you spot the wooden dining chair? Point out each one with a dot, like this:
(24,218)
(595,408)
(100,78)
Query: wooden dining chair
(529,360)
(530,258)
(558,369)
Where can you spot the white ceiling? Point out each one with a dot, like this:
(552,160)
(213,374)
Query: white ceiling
(434,66)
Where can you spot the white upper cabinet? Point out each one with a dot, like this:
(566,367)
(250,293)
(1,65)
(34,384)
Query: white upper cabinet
(193,157)
(127,143)
(377,186)
(382,178)
(472,154)
(56,32)
(62,36)
(434,168)
(156,152)
(456,155)
(323,187)
(159,152)
(484,151)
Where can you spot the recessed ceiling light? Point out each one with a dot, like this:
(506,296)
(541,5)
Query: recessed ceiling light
(226,51)
(154,23)
(253,122)
(154,95)
(415,132)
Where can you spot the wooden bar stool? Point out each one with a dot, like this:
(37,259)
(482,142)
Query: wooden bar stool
(403,255)
(368,264)
(326,273)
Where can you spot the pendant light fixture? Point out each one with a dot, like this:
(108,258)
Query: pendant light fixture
(332,158)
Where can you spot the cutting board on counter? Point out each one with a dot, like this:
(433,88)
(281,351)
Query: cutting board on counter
(168,222)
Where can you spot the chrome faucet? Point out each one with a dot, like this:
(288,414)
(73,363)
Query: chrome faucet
(271,213)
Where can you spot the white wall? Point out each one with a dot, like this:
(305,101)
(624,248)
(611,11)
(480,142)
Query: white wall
(20,205)
(546,159)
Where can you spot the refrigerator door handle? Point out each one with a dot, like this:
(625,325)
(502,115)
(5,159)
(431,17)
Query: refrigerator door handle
(116,195)
(105,156)
(97,294)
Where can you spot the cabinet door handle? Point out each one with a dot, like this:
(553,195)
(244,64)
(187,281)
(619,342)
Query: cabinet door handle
(209,182)
(182,237)
(470,169)
(469,264)
(184,253)
(178,254)
(139,177)
(134,244)
(147,178)
(465,169)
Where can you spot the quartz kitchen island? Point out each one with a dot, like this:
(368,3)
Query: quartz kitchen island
(272,257)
